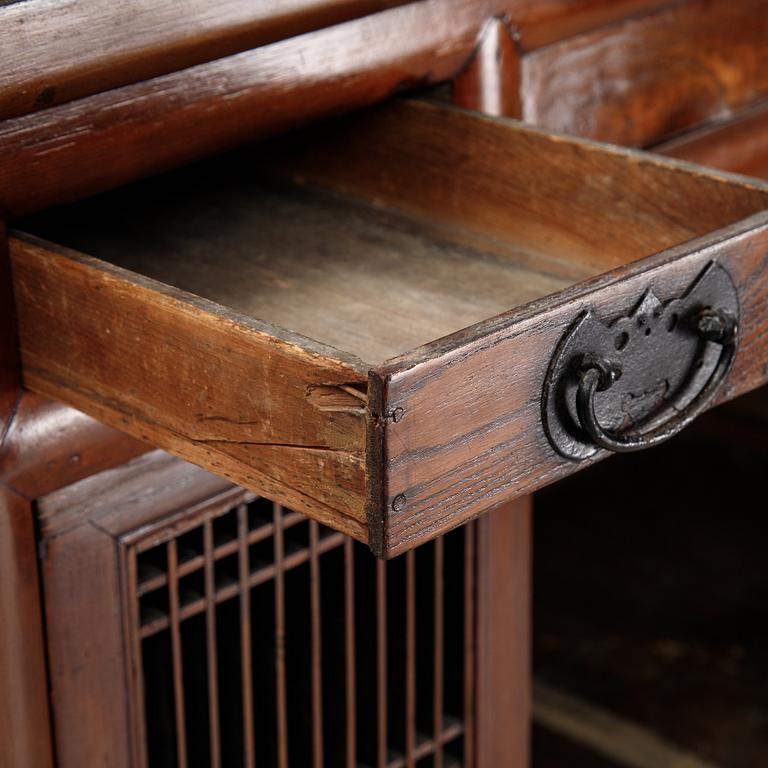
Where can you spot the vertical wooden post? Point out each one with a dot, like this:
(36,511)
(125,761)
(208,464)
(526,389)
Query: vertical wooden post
(503,615)
(25,733)
(490,82)
(9,355)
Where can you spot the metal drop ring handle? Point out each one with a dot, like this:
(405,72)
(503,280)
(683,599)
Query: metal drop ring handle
(711,325)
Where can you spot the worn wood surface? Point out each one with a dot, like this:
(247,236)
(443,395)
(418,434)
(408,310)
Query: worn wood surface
(363,281)
(739,145)
(640,80)
(286,416)
(538,23)
(53,51)
(490,80)
(25,728)
(470,437)
(105,140)
(503,631)
(574,207)
(87,668)
(127,497)
(80,529)
(212,386)
(9,355)
(49,445)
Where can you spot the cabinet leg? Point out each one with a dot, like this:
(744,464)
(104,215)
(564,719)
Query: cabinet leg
(25,735)
(503,653)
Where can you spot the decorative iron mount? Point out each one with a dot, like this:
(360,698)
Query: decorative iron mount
(640,380)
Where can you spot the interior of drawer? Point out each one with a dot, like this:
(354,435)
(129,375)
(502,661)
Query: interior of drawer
(380,233)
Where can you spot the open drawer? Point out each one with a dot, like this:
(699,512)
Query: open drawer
(401,319)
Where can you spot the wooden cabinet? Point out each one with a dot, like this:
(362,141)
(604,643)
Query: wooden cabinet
(356,319)
(197,624)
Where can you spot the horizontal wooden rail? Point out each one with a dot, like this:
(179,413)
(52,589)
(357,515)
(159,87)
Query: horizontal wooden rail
(53,51)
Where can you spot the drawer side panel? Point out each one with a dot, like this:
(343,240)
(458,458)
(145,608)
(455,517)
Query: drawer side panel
(212,387)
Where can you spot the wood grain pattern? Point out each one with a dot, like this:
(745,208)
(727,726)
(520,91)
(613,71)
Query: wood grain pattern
(575,207)
(542,22)
(105,140)
(739,145)
(90,663)
(49,445)
(286,416)
(214,387)
(490,80)
(470,435)
(131,496)
(53,51)
(503,631)
(350,276)
(25,728)
(10,379)
(640,80)
(81,527)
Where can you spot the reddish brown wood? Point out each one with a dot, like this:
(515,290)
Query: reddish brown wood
(490,81)
(475,440)
(50,445)
(211,646)
(638,81)
(268,437)
(52,51)
(470,644)
(9,356)
(25,730)
(105,140)
(209,389)
(542,22)
(246,621)
(80,528)
(739,145)
(350,676)
(568,206)
(503,676)
(174,485)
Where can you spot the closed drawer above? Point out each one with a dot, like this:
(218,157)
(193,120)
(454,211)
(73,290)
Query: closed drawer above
(374,321)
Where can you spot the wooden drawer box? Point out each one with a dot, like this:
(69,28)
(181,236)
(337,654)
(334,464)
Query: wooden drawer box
(358,321)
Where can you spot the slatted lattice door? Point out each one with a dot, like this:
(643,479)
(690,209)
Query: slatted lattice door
(260,638)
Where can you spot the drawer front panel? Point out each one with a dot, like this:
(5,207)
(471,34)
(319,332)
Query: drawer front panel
(470,434)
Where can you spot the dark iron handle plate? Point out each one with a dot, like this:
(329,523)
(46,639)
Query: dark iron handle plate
(639,380)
